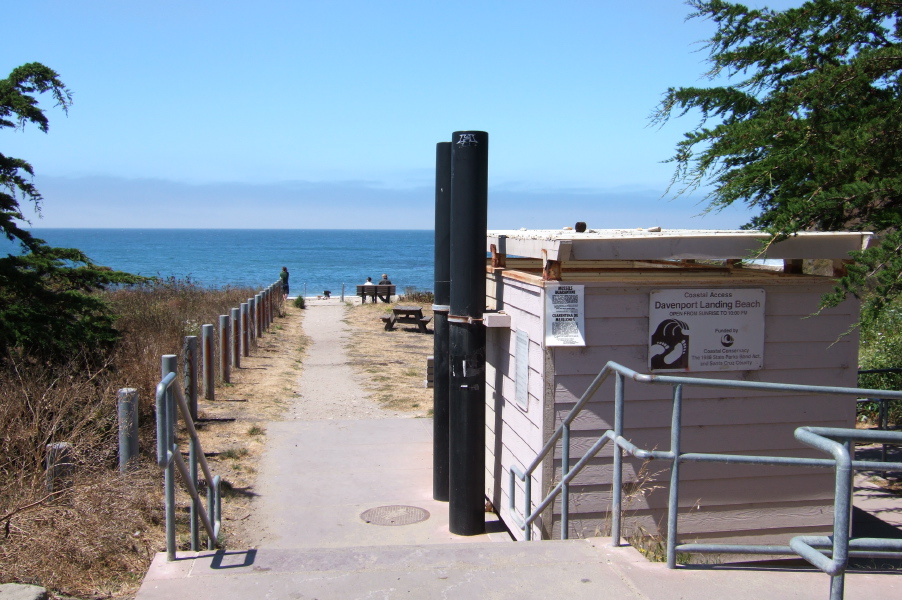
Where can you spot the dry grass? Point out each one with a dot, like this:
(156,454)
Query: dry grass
(96,537)
(394,362)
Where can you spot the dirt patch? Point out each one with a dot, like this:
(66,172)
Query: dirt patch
(393,362)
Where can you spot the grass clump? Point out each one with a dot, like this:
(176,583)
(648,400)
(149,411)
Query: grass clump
(411,294)
(299,302)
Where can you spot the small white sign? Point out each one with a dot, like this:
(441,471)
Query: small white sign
(706,330)
(564,315)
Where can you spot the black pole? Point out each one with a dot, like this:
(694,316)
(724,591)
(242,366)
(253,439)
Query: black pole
(440,351)
(469,216)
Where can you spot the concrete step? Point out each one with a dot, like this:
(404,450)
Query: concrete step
(551,569)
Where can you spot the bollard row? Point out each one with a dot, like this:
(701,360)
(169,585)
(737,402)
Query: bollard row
(238,331)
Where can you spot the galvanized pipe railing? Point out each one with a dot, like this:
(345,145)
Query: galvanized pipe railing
(170,399)
(840,546)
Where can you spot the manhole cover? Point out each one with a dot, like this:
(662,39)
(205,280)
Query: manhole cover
(394,515)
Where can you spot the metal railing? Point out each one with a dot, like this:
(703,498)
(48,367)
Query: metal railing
(238,331)
(170,400)
(836,442)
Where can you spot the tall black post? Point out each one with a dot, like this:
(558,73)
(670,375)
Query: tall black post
(469,219)
(440,343)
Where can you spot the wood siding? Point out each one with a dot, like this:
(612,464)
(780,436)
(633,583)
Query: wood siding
(718,502)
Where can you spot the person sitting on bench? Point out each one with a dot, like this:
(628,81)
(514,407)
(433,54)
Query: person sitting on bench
(385,281)
(369,281)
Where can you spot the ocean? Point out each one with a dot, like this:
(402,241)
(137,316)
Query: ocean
(322,259)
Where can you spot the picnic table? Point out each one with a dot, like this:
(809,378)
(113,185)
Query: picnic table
(406,314)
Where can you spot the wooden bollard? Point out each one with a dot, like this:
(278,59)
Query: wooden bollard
(60,466)
(225,360)
(258,300)
(245,334)
(127,405)
(252,318)
(209,362)
(191,362)
(236,337)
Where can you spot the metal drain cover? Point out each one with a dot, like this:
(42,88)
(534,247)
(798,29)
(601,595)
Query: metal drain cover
(396,514)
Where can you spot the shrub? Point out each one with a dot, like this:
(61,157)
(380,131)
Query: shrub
(881,348)
(299,302)
(412,294)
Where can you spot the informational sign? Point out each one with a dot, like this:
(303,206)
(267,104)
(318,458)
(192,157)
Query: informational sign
(706,330)
(522,372)
(564,315)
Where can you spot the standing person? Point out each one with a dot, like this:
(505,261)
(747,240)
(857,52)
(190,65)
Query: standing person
(283,276)
(369,281)
(385,281)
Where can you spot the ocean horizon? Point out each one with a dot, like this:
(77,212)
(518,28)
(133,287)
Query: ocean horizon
(320,259)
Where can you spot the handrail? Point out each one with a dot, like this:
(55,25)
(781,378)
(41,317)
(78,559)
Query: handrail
(818,437)
(255,318)
(168,452)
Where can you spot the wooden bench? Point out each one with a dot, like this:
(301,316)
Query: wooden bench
(406,314)
(372,291)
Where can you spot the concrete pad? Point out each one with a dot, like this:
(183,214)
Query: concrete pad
(19,591)
(574,569)
(317,477)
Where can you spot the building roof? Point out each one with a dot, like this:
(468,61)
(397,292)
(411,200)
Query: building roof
(684,244)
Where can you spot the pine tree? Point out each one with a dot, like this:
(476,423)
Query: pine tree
(807,131)
(49,307)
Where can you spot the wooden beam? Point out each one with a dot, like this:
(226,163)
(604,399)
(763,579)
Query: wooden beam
(499,260)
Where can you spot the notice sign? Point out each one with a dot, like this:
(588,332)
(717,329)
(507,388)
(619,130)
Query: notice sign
(564,315)
(706,330)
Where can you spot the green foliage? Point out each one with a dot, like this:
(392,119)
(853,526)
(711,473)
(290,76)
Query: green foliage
(48,302)
(299,302)
(881,348)
(807,131)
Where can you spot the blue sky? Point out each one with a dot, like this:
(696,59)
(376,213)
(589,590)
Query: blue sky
(316,114)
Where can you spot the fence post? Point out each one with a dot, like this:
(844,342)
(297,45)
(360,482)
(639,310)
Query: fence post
(342,292)
(190,353)
(269,297)
(236,337)
(209,362)
(245,334)
(258,301)
(127,404)
(224,354)
(252,318)
(169,364)
(59,466)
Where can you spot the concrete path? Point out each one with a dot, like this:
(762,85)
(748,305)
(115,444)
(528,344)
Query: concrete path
(340,455)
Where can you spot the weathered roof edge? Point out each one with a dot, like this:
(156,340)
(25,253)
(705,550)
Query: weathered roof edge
(685,244)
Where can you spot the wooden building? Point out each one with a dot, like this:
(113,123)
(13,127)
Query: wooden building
(621,276)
